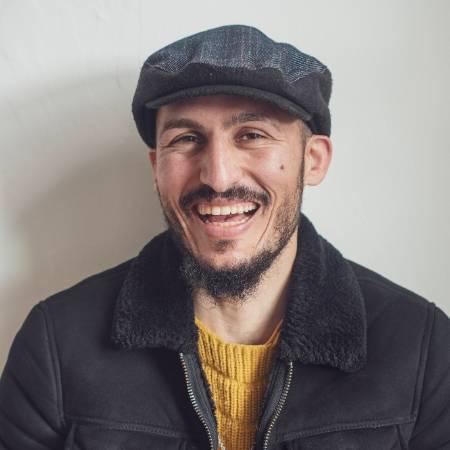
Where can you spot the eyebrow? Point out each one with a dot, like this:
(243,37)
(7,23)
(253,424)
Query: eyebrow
(236,119)
(244,117)
(182,123)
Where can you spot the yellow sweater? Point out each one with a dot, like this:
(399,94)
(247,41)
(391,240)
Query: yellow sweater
(237,375)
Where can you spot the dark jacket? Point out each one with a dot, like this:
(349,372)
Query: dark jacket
(111,363)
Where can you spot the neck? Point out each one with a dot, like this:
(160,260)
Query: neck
(253,320)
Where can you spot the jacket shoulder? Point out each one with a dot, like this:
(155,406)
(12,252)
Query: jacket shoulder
(84,311)
(408,347)
(100,287)
(378,288)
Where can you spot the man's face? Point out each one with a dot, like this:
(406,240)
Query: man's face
(228,172)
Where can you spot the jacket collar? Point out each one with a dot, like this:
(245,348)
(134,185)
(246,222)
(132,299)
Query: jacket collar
(325,320)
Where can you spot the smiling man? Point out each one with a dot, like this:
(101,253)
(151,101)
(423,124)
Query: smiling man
(239,327)
(230,174)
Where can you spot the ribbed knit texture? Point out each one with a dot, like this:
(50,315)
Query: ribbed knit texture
(238,376)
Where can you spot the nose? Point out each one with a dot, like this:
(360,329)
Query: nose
(220,166)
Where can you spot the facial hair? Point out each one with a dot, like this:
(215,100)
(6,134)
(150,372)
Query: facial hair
(237,282)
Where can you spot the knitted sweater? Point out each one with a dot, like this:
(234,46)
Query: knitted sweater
(237,375)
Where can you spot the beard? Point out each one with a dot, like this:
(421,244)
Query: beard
(236,282)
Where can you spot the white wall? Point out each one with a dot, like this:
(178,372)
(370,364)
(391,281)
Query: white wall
(75,187)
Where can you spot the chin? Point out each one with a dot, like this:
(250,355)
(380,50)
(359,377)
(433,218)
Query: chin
(223,259)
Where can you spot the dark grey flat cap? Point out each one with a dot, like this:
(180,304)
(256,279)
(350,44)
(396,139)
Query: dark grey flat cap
(234,59)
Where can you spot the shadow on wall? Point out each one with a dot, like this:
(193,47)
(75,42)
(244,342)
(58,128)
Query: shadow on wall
(93,204)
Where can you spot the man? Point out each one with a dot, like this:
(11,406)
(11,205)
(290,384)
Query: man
(240,327)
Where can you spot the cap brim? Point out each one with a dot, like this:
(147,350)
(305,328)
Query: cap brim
(244,91)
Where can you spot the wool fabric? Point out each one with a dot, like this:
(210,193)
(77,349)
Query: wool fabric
(233,60)
(237,375)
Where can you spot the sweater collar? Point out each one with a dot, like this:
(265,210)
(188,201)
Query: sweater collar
(325,320)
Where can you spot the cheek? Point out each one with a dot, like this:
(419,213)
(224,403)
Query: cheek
(276,169)
(174,175)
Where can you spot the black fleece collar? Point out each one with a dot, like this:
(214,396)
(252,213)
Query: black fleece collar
(325,320)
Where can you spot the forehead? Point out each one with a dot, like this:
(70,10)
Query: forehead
(222,108)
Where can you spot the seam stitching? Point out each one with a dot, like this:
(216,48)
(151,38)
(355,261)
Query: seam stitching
(424,352)
(401,438)
(55,361)
(127,426)
(347,427)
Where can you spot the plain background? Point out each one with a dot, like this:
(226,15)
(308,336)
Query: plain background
(76,192)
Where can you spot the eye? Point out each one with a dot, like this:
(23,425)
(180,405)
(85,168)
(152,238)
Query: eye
(186,138)
(252,136)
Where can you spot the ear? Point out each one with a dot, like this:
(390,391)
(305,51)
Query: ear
(154,162)
(318,153)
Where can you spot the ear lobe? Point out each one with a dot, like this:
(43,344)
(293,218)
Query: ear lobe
(152,158)
(153,161)
(318,154)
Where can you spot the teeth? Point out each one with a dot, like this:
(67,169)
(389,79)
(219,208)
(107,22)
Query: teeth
(225,210)
(229,223)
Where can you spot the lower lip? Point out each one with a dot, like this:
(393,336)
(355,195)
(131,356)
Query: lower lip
(228,231)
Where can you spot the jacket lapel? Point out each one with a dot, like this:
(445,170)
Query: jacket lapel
(325,321)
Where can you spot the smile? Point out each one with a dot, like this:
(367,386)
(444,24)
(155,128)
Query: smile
(226,215)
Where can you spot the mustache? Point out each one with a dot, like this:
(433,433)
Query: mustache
(208,194)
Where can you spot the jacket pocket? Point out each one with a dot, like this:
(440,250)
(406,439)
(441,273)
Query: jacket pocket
(95,437)
(383,438)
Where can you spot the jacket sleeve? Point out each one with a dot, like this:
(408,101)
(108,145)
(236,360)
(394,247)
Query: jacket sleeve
(432,429)
(30,394)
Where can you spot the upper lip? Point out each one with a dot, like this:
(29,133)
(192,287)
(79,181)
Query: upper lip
(224,202)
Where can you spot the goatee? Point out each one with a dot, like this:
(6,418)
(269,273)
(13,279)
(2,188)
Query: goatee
(237,282)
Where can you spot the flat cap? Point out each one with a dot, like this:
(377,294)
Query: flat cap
(238,60)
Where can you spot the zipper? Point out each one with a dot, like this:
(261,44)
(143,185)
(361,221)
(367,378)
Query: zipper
(280,405)
(194,402)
